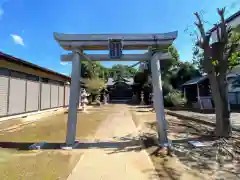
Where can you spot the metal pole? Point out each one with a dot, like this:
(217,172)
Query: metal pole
(26,90)
(8,92)
(158,99)
(39,93)
(74,99)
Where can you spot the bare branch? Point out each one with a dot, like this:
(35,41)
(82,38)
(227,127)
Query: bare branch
(199,24)
(223,25)
(218,32)
(199,42)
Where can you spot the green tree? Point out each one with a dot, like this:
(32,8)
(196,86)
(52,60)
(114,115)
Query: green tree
(217,60)
(237,29)
(123,71)
(94,85)
(184,72)
(166,65)
(94,69)
(167,68)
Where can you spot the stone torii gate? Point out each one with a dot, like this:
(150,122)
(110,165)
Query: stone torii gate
(115,43)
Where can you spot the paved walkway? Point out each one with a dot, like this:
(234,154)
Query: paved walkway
(235,117)
(116,153)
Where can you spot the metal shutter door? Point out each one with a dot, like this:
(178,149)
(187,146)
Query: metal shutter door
(45,96)
(232,98)
(60,96)
(32,96)
(54,96)
(17,95)
(3,93)
(67,94)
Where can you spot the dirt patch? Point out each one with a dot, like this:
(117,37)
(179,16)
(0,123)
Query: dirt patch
(16,163)
(47,165)
(53,128)
(186,161)
(170,168)
(10,123)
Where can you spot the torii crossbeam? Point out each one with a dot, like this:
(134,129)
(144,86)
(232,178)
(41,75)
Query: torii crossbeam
(78,43)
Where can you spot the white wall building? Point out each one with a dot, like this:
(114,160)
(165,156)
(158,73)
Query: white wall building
(233,21)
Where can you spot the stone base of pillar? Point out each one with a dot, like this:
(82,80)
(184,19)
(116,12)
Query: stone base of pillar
(162,151)
(142,103)
(65,147)
(37,146)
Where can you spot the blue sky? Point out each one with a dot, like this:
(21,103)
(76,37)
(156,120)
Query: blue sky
(27,26)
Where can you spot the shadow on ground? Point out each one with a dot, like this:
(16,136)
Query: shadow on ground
(120,144)
(202,159)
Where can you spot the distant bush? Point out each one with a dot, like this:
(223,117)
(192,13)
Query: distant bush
(174,98)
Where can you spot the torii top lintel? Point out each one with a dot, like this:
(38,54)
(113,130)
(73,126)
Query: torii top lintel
(101,41)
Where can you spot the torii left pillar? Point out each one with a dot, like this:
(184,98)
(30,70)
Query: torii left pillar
(74,99)
(158,99)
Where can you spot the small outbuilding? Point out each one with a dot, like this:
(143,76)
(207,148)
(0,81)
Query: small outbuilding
(120,88)
(197,91)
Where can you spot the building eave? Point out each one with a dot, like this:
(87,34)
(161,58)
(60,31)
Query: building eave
(228,20)
(16,60)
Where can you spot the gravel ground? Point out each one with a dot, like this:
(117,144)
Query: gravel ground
(213,160)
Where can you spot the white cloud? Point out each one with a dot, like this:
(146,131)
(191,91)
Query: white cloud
(17,39)
(64,63)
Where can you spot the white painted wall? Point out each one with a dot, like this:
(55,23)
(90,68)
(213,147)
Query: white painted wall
(234,23)
(235,72)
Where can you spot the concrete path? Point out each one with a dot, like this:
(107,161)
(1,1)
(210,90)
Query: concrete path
(235,117)
(116,153)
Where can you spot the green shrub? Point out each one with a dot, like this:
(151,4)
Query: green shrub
(174,98)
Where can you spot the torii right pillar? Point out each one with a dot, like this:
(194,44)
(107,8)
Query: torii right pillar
(158,99)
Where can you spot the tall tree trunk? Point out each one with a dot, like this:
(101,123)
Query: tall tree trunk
(220,98)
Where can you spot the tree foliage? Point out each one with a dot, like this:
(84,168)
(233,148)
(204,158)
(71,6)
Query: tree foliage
(166,66)
(95,76)
(96,69)
(94,85)
(173,73)
(93,69)
(183,73)
(122,70)
(174,98)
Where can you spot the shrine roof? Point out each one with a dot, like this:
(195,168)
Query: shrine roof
(128,81)
(195,80)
